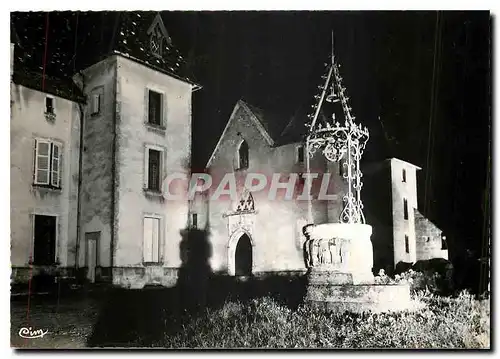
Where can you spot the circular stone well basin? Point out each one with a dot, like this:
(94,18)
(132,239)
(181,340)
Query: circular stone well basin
(360,298)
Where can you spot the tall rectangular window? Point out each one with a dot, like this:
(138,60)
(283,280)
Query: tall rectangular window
(96,104)
(155,108)
(300,154)
(405,208)
(47,163)
(44,251)
(49,105)
(154,169)
(404,175)
(407,244)
(151,240)
(194,220)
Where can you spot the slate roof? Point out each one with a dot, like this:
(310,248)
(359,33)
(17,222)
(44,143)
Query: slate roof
(132,40)
(76,40)
(57,86)
(272,122)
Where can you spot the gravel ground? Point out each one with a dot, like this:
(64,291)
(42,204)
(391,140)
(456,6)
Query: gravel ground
(69,322)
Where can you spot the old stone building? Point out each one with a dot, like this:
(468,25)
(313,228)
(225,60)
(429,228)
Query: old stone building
(269,231)
(137,130)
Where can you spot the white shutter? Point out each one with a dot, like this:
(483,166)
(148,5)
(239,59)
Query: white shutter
(156,240)
(147,241)
(96,103)
(56,165)
(42,162)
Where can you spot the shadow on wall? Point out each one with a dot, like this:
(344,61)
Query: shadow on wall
(195,271)
(142,318)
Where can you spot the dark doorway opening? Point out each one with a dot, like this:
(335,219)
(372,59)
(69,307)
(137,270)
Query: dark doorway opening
(243,256)
(44,252)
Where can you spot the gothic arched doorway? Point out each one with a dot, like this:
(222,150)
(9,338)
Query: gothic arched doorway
(243,256)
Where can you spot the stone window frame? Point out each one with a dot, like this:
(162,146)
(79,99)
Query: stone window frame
(161,238)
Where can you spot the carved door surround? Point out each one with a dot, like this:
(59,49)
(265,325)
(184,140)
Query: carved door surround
(240,221)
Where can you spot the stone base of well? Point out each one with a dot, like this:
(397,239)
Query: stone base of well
(339,257)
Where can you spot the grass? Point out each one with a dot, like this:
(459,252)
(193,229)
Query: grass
(461,322)
(166,318)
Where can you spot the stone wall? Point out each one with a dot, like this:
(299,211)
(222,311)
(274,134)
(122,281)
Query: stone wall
(97,165)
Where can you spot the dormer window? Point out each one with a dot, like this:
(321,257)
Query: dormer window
(49,105)
(155,41)
(157,35)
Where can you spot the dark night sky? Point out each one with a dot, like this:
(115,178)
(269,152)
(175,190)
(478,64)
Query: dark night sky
(275,59)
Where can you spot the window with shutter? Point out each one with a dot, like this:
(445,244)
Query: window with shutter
(42,162)
(56,155)
(151,245)
(47,169)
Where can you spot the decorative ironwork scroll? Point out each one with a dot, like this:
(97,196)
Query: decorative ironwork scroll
(338,142)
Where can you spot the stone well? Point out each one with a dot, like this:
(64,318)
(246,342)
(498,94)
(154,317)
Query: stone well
(339,257)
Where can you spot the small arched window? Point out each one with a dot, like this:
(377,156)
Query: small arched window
(243,156)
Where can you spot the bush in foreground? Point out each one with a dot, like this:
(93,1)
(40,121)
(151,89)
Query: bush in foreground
(460,322)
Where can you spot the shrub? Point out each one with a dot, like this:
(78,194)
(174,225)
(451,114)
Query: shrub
(433,282)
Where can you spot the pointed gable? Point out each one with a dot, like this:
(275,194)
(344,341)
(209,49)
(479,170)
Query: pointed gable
(158,35)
